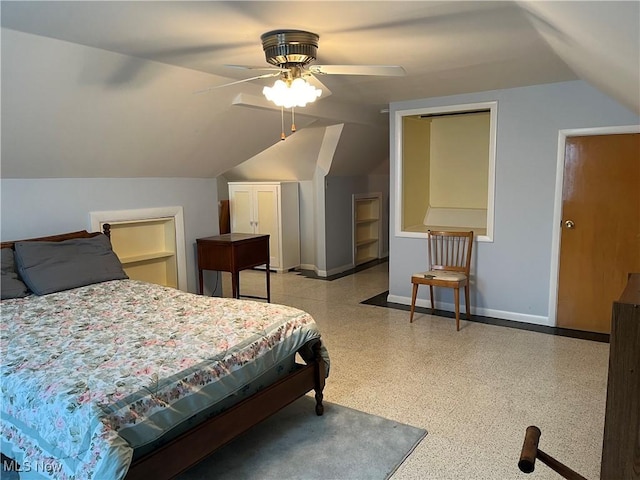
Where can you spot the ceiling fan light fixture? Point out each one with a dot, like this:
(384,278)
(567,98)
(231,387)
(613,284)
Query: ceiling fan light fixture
(290,94)
(292,52)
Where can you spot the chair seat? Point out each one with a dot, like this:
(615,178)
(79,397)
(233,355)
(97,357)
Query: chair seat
(439,275)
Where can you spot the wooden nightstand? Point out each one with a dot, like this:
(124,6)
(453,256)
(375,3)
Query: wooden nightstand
(232,252)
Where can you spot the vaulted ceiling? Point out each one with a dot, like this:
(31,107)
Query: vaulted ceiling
(106,89)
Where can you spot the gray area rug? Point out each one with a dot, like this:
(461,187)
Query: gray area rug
(297,444)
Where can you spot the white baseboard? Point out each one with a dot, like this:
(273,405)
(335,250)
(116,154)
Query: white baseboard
(327,273)
(333,271)
(485,312)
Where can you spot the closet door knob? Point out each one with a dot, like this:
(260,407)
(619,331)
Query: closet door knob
(569,224)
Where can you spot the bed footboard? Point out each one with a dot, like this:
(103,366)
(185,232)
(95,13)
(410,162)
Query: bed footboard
(199,442)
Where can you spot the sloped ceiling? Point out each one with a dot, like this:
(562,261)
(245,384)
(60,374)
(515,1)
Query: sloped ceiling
(293,159)
(600,41)
(105,89)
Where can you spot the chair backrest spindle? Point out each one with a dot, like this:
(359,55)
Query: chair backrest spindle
(450,250)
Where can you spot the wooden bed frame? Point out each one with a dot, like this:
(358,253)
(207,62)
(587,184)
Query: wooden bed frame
(199,442)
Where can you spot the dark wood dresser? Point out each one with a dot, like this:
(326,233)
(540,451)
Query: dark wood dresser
(621,445)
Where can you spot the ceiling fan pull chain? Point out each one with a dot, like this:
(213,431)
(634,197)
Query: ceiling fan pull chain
(293,120)
(282,135)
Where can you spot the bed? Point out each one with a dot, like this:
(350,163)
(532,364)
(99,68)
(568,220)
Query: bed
(104,377)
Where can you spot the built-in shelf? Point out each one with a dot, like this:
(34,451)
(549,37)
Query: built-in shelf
(146,256)
(366,227)
(147,249)
(148,242)
(365,241)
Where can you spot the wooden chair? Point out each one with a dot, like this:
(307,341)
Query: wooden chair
(449,264)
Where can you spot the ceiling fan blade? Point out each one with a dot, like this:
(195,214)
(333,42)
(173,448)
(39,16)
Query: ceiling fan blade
(315,81)
(377,70)
(266,75)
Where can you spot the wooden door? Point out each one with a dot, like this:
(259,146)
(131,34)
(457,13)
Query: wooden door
(600,239)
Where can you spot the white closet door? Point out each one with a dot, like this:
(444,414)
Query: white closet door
(267,218)
(241,207)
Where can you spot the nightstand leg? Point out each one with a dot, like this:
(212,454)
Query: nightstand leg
(235,284)
(268,284)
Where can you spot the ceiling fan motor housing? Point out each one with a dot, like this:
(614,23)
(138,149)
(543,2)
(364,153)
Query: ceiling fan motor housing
(287,47)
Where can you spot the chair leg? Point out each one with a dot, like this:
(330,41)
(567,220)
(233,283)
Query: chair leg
(466,297)
(456,296)
(431,297)
(414,294)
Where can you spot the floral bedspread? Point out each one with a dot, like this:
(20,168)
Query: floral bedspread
(89,373)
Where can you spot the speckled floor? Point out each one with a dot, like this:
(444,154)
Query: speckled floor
(475,390)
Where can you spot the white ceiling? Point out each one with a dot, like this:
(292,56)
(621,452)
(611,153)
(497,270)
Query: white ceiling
(446,47)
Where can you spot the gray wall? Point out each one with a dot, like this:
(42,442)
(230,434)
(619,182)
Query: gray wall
(39,207)
(512,274)
(339,220)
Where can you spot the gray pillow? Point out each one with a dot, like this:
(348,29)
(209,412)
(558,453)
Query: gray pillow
(48,267)
(10,285)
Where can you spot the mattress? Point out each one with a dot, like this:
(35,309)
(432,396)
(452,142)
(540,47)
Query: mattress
(91,374)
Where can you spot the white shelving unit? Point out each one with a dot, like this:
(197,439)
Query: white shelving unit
(269,208)
(367,227)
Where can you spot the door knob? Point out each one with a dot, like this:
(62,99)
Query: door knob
(569,224)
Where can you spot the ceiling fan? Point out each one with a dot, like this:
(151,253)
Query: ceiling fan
(290,52)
